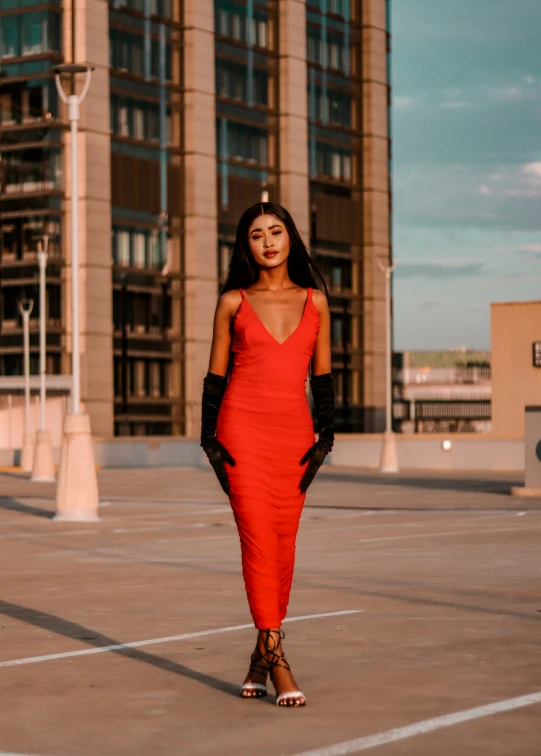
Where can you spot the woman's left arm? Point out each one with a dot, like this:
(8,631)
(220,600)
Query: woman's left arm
(321,360)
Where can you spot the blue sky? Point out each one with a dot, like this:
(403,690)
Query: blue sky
(467,166)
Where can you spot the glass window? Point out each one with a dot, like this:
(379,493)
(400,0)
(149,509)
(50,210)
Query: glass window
(122,248)
(238,27)
(153,123)
(223,25)
(336,165)
(339,108)
(259,31)
(139,250)
(232,81)
(8,108)
(53,32)
(139,382)
(34,28)
(138,122)
(247,143)
(334,162)
(155,58)
(314,46)
(170,137)
(346,167)
(261,87)
(336,53)
(337,331)
(154,379)
(124,53)
(123,119)
(155,256)
(262,34)
(10,36)
(138,56)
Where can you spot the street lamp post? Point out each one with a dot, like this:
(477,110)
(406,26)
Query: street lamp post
(43,467)
(77,491)
(389,457)
(27,452)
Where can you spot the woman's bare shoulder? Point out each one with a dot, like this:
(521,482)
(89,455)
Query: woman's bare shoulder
(229,301)
(320,300)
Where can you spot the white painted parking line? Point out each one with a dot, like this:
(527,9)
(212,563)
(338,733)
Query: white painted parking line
(169,639)
(480,531)
(420,728)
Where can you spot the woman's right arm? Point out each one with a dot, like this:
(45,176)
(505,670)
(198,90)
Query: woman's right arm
(226,308)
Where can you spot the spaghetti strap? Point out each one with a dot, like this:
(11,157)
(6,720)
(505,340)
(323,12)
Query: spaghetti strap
(310,290)
(242,293)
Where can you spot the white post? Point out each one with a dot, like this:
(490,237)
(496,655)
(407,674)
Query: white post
(73,115)
(43,465)
(42,260)
(389,458)
(27,452)
(77,497)
(10,422)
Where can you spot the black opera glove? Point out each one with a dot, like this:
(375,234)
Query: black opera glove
(323,393)
(213,391)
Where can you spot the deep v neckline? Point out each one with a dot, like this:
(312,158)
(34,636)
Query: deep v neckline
(280,343)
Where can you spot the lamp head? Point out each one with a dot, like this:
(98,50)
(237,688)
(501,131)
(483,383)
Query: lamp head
(72,68)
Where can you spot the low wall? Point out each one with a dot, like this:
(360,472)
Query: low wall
(415,452)
(425,452)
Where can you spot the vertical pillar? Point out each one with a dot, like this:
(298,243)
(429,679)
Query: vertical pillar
(95,287)
(293,115)
(200,241)
(375,203)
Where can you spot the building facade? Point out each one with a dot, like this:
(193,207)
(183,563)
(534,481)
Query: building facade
(195,108)
(516,365)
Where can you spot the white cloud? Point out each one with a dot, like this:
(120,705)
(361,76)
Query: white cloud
(403,103)
(532,169)
(484,189)
(455,104)
(509,93)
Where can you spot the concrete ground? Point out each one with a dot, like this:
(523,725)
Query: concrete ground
(415,620)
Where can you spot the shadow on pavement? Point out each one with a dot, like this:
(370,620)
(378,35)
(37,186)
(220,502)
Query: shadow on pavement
(12,505)
(441,481)
(52,623)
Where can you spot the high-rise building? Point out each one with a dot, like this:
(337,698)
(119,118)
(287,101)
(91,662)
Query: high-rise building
(195,108)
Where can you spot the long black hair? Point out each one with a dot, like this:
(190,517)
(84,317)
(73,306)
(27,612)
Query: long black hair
(243,270)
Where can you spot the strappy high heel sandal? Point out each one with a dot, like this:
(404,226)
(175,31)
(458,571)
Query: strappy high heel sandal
(257,690)
(293,697)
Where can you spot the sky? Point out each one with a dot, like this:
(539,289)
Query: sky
(466,128)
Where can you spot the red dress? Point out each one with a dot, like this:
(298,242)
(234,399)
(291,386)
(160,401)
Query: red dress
(265,424)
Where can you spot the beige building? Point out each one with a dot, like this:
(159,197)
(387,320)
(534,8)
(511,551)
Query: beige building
(516,365)
(195,108)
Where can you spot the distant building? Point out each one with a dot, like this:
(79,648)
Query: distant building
(516,361)
(196,107)
(442,391)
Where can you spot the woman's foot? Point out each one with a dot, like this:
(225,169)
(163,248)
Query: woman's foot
(255,683)
(287,690)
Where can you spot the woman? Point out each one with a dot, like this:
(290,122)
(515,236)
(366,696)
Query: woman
(257,430)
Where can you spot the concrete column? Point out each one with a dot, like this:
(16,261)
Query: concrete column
(293,115)
(375,201)
(200,247)
(92,46)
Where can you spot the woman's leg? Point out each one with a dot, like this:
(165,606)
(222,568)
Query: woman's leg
(280,671)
